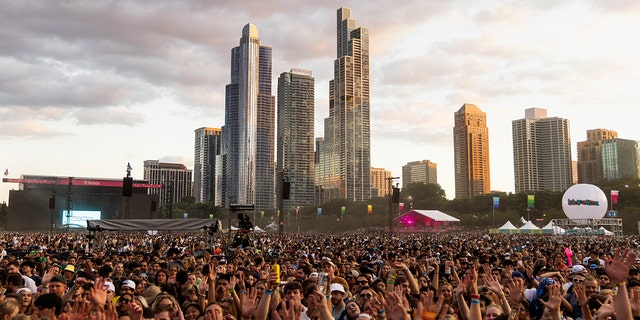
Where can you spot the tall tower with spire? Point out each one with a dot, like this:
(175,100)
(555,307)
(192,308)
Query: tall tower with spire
(249,131)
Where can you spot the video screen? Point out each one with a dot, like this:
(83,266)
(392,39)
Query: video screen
(79,217)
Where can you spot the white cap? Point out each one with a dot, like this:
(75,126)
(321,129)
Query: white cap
(578,268)
(110,286)
(336,287)
(129,284)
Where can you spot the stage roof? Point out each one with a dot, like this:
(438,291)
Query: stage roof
(149,224)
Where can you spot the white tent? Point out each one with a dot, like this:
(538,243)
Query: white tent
(272,226)
(606,232)
(552,229)
(508,226)
(529,227)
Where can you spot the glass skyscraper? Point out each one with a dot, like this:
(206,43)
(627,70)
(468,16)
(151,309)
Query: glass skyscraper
(295,135)
(249,131)
(207,148)
(345,153)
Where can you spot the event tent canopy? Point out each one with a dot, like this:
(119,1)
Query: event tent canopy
(426,218)
(508,226)
(149,224)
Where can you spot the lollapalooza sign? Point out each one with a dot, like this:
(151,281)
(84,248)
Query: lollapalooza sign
(584,201)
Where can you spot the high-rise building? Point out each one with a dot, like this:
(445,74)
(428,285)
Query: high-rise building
(175,179)
(620,159)
(590,155)
(541,152)
(295,135)
(346,171)
(248,135)
(471,152)
(423,171)
(380,182)
(207,148)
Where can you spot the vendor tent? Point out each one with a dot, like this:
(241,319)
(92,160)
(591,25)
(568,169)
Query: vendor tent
(508,227)
(420,220)
(529,227)
(551,228)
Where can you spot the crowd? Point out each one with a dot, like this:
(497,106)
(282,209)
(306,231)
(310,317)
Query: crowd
(363,276)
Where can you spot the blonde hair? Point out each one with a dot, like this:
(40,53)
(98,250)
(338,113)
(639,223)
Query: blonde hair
(9,307)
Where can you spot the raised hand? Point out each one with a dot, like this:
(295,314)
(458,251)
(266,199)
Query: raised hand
(618,268)
(99,293)
(555,298)
(516,291)
(249,303)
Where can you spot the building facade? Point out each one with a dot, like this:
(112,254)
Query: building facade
(423,171)
(620,159)
(207,149)
(248,146)
(175,178)
(347,129)
(541,152)
(380,182)
(590,155)
(296,109)
(471,152)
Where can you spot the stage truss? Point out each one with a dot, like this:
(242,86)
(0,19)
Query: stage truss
(612,224)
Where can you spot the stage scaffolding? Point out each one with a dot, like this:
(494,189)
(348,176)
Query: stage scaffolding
(612,224)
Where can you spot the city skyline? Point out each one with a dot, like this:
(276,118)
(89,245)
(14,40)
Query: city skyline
(83,95)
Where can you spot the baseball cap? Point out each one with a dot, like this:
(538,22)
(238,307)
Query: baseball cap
(336,287)
(578,268)
(109,286)
(129,284)
(59,278)
(313,275)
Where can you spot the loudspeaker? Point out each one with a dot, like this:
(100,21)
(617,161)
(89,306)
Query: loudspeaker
(52,203)
(286,188)
(396,195)
(127,187)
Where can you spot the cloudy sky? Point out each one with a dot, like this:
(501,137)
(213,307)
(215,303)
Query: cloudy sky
(88,86)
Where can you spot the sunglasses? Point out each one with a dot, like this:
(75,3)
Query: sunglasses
(367,296)
(578,280)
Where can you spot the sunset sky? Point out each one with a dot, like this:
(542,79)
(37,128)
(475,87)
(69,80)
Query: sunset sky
(89,86)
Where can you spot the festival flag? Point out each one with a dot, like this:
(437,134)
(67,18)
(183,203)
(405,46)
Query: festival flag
(614,196)
(343,210)
(319,212)
(496,202)
(278,213)
(261,214)
(530,201)
(210,216)
(400,206)
(369,209)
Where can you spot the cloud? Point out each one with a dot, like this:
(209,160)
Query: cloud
(108,116)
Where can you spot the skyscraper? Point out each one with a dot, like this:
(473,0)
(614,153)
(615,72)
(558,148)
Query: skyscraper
(541,152)
(620,159)
(471,152)
(590,155)
(207,148)
(347,138)
(423,171)
(380,182)
(295,135)
(175,179)
(249,131)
